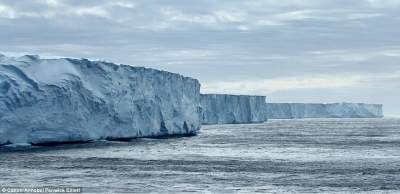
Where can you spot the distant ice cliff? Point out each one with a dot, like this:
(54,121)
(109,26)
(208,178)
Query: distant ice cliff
(232,109)
(313,110)
(67,100)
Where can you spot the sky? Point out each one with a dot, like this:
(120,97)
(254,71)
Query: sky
(289,50)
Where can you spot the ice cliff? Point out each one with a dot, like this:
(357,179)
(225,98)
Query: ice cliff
(232,109)
(69,100)
(313,110)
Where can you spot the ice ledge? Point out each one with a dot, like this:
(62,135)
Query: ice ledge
(232,109)
(315,110)
(73,100)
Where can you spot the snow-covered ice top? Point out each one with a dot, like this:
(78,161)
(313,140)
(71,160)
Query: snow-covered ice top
(59,100)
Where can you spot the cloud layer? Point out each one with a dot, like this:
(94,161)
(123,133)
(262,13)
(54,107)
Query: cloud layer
(297,50)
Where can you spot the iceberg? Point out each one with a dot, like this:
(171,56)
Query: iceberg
(232,109)
(72,100)
(315,110)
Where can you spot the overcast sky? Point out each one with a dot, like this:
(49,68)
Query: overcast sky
(288,50)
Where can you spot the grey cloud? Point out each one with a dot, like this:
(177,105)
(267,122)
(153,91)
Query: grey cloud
(221,41)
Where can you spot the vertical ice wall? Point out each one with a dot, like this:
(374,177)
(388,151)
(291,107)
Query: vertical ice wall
(314,110)
(64,100)
(232,109)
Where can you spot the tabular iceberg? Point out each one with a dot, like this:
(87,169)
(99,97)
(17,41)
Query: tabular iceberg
(68,100)
(232,109)
(314,110)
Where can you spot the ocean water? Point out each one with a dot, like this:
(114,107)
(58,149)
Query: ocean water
(297,156)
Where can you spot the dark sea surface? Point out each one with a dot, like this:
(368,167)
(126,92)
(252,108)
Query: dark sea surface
(280,156)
